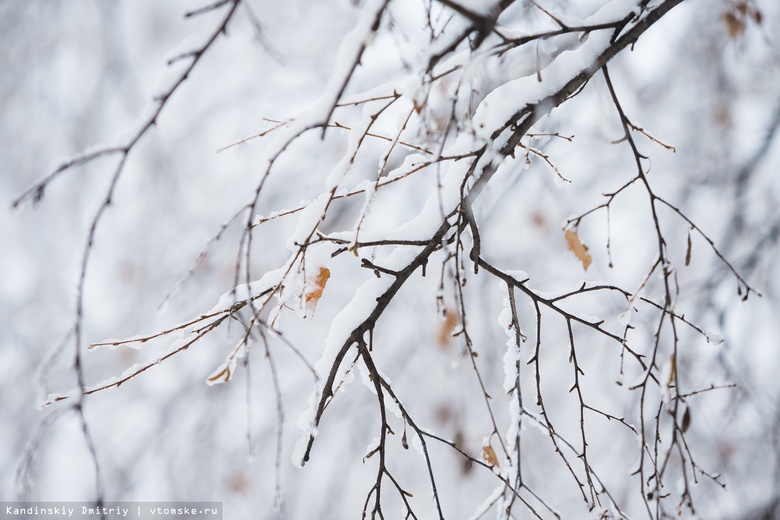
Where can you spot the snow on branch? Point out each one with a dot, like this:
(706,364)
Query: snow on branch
(402,182)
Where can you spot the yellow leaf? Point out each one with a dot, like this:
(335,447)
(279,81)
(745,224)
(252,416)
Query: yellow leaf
(579,249)
(490,455)
(313,296)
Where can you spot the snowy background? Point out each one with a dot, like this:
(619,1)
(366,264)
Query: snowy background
(80,75)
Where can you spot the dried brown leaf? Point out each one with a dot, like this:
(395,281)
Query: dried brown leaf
(489,454)
(446,327)
(314,295)
(734,24)
(579,249)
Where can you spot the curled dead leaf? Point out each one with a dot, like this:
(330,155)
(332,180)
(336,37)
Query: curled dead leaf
(686,420)
(579,249)
(672,370)
(688,251)
(221,375)
(489,454)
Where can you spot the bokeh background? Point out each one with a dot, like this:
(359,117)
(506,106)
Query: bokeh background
(82,74)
